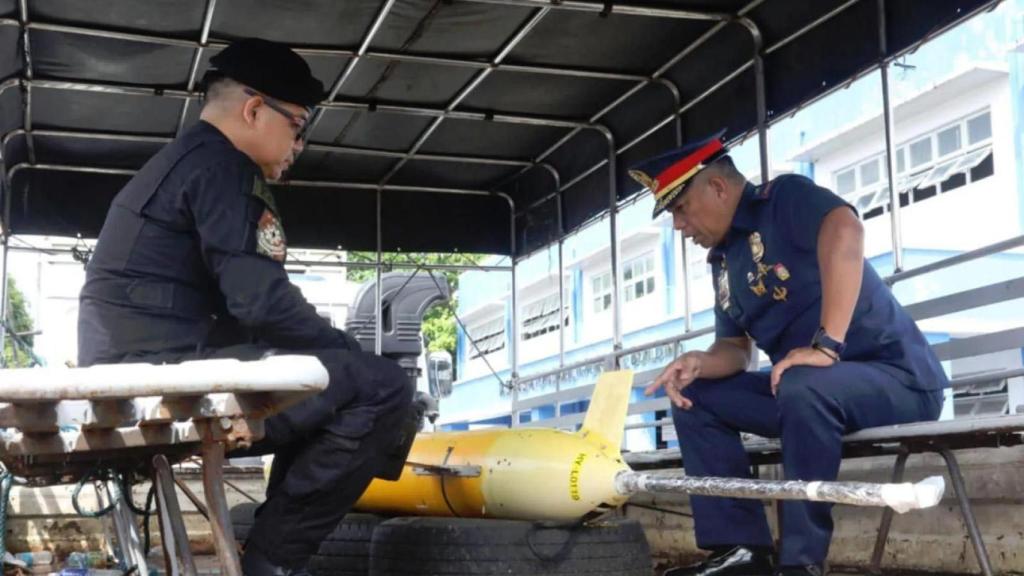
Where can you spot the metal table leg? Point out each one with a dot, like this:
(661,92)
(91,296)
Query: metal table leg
(217,505)
(129,542)
(172,525)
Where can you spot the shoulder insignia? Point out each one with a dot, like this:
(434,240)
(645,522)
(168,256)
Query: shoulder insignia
(270,239)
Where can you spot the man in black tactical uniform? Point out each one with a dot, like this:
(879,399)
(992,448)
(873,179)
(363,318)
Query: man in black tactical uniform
(190,265)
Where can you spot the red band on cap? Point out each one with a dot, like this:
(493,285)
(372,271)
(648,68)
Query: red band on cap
(682,167)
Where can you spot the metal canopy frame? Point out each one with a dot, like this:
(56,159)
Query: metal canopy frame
(484,68)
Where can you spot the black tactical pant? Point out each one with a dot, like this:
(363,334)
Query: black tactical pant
(326,449)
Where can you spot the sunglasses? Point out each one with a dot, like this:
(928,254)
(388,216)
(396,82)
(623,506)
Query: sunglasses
(299,123)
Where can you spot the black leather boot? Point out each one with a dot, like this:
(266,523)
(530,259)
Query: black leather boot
(737,561)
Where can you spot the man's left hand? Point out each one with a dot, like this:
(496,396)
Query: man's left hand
(805,356)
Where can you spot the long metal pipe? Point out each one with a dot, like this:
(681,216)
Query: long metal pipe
(5,236)
(401,264)
(27,88)
(378,310)
(687,301)
(890,131)
(623,352)
(355,151)
(394,264)
(197,56)
(559,214)
(998,247)
(514,340)
(613,209)
(343,105)
(466,90)
(610,8)
(760,96)
(303,183)
(3,293)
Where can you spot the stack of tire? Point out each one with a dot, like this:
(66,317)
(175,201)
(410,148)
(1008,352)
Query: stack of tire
(345,552)
(368,545)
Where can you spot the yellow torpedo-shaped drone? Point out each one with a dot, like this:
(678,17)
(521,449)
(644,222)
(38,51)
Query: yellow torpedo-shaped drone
(521,473)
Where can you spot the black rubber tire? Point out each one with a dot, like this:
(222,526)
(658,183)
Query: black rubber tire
(346,551)
(463,546)
(242,517)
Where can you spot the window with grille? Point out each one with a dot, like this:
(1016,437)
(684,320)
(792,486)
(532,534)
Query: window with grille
(937,162)
(542,316)
(487,337)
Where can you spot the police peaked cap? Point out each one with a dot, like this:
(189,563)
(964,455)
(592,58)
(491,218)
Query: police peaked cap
(667,175)
(268,67)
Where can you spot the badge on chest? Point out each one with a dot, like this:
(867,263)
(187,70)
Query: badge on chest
(762,270)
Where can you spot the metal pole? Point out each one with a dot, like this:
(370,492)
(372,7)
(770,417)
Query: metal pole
(220,517)
(607,8)
(759,89)
(5,248)
(172,526)
(514,341)
(977,542)
(687,302)
(613,209)
(561,268)
(197,55)
(26,85)
(378,314)
(408,110)
(890,130)
(687,305)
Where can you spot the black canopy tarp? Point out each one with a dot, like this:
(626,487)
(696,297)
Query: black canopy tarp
(445,103)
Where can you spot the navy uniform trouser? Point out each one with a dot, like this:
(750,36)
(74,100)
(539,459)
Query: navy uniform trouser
(813,409)
(327,449)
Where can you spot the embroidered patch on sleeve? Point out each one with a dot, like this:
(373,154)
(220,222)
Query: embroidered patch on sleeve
(270,240)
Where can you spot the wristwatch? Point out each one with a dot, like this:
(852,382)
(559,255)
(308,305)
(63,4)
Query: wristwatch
(823,341)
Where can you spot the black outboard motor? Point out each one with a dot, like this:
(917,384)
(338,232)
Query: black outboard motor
(406,297)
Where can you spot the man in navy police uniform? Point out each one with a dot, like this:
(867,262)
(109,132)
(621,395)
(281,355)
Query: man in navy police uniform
(789,276)
(190,265)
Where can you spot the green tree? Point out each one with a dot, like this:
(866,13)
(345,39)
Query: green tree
(20,322)
(439,325)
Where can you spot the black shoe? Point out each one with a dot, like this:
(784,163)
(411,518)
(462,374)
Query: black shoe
(254,563)
(808,570)
(737,561)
